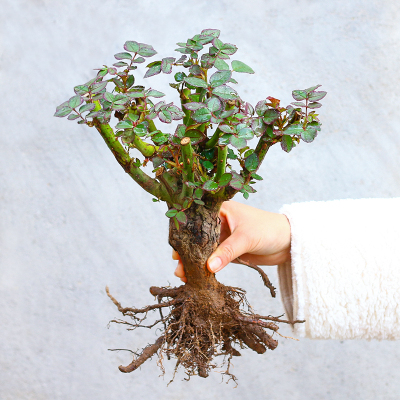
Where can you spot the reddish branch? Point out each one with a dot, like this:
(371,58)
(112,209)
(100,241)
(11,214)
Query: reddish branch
(264,276)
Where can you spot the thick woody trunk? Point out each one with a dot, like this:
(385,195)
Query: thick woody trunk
(195,241)
(205,317)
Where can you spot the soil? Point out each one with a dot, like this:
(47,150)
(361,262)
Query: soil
(205,318)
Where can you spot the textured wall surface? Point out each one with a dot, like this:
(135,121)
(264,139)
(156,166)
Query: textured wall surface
(71,222)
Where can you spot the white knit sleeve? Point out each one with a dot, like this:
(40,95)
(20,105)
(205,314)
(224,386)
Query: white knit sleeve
(345,268)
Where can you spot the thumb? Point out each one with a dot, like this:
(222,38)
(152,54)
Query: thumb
(231,248)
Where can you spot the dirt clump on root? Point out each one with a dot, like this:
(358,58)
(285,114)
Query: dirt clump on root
(201,325)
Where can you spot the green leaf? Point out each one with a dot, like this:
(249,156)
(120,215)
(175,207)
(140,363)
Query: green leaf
(294,129)
(199,202)
(181,217)
(225,92)
(198,193)
(179,76)
(314,104)
(217,43)
(184,50)
(130,81)
(87,107)
(224,139)
(95,114)
(154,70)
(261,107)
(270,116)
(133,117)
(210,186)
(213,104)
(219,78)
(139,60)
(228,113)
(287,143)
(246,133)
(315,96)
(98,87)
(312,88)
(146,50)
(171,213)
(131,46)
(118,83)
(309,134)
(211,32)
(62,112)
(221,64)
(251,162)
(228,48)
(298,104)
(239,143)
(109,97)
(160,138)
(193,106)
(196,82)
(75,101)
(73,116)
(207,61)
(299,94)
(157,161)
(201,115)
(81,89)
(141,129)
(176,223)
(195,136)
(239,66)
(231,154)
(166,64)
(123,56)
(180,131)
(124,125)
(195,70)
(135,94)
(226,128)
(207,164)
(224,180)
(236,184)
(154,93)
(255,176)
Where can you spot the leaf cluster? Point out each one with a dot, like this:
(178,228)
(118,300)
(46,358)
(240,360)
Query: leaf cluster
(212,115)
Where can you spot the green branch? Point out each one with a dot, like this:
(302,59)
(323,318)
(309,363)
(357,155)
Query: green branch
(187,172)
(214,139)
(123,158)
(221,162)
(261,150)
(145,148)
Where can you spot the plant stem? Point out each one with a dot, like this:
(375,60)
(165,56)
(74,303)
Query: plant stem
(123,158)
(214,139)
(185,99)
(261,150)
(221,162)
(187,172)
(146,149)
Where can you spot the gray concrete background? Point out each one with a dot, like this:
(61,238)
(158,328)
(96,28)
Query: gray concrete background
(71,222)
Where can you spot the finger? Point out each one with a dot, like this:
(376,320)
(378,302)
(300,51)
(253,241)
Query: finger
(175,255)
(179,271)
(231,248)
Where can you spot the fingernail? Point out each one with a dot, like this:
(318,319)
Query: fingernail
(215,264)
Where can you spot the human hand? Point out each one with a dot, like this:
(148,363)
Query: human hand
(256,236)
